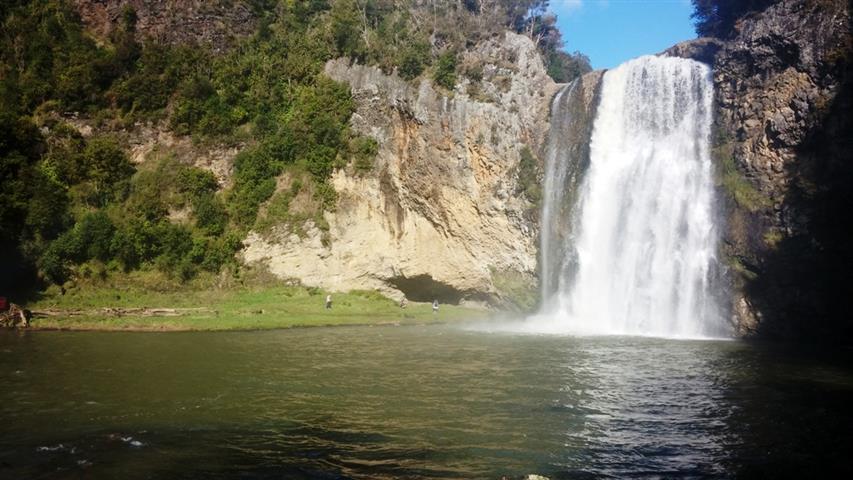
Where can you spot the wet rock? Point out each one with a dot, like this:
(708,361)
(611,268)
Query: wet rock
(701,49)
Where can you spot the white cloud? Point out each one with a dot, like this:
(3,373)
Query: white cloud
(571,7)
(567,6)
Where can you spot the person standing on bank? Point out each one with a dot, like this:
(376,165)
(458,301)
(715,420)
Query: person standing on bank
(435,306)
(329,301)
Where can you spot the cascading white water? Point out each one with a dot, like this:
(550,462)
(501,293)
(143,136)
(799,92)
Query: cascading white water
(646,241)
(557,167)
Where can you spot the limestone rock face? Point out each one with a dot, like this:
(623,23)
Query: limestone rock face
(783,108)
(442,214)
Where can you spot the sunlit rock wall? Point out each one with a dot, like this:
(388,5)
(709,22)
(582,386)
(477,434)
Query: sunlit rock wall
(441,215)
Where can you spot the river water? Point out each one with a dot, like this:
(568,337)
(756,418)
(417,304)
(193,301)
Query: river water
(416,402)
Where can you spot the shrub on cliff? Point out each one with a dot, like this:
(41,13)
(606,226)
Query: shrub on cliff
(91,238)
(254,183)
(108,170)
(210,214)
(528,176)
(414,60)
(364,152)
(344,23)
(445,70)
(564,67)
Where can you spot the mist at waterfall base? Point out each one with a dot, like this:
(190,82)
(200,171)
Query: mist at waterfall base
(633,252)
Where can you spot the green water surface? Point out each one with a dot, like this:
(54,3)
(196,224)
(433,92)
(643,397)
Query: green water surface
(416,402)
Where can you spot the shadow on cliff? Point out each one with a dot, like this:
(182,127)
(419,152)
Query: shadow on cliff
(423,288)
(805,286)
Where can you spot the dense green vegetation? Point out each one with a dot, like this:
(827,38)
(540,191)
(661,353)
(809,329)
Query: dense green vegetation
(74,206)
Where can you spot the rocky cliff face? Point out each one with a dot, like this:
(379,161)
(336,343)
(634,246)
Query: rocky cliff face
(442,215)
(215,23)
(783,147)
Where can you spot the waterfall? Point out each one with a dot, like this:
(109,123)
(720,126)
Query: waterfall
(557,166)
(640,255)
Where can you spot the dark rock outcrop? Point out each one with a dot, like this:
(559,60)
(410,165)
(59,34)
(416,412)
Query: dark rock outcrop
(567,157)
(785,156)
(216,23)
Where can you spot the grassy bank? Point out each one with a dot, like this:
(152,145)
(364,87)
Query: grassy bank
(235,307)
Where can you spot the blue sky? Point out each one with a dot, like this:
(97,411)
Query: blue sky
(610,32)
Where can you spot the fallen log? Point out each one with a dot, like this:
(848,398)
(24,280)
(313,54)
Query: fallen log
(122,312)
(15,317)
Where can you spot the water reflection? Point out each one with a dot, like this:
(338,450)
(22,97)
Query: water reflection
(655,407)
(419,402)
